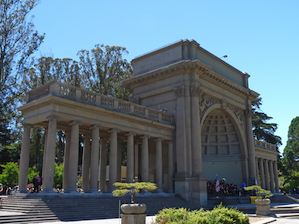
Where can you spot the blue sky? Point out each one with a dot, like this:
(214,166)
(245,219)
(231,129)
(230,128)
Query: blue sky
(259,37)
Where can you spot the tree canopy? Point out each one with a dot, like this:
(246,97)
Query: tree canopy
(262,130)
(18,42)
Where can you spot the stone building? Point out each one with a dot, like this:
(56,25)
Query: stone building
(189,120)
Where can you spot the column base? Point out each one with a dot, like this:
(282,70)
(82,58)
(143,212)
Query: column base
(159,191)
(23,190)
(93,191)
(192,189)
(71,191)
(48,190)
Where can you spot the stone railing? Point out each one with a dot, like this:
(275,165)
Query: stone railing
(265,145)
(99,100)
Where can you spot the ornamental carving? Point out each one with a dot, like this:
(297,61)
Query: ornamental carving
(206,101)
(180,91)
(195,90)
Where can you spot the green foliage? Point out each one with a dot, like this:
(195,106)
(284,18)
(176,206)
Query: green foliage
(259,191)
(262,130)
(18,42)
(31,174)
(58,175)
(10,153)
(218,215)
(104,69)
(133,188)
(10,174)
(291,151)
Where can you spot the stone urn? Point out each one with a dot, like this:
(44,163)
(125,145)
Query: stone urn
(133,208)
(262,206)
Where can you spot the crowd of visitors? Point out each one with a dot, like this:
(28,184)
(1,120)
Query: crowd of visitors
(221,188)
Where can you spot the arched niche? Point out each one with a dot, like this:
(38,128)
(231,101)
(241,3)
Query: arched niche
(223,145)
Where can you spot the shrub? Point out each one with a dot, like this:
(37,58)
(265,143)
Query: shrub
(218,215)
(132,188)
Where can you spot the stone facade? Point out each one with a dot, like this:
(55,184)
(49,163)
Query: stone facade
(189,119)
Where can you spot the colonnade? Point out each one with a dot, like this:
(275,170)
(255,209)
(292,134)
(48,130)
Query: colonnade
(266,171)
(94,158)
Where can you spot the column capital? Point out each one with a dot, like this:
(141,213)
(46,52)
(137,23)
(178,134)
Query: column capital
(195,90)
(145,136)
(96,126)
(131,133)
(26,125)
(75,122)
(169,141)
(86,135)
(159,139)
(114,130)
(53,117)
(179,91)
(104,138)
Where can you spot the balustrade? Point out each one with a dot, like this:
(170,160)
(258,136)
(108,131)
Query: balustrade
(99,100)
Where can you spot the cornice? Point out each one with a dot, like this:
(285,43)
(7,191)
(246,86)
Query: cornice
(182,66)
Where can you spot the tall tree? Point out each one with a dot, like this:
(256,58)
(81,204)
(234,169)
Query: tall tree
(262,130)
(291,151)
(105,68)
(18,41)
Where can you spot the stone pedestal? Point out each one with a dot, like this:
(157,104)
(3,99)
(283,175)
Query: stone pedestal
(133,219)
(262,206)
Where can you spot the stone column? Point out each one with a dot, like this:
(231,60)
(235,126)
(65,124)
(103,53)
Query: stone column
(103,164)
(73,157)
(86,163)
(145,159)
(48,177)
(181,134)
(24,159)
(271,176)
(257,171)
(45,150)
(119,159)
(196,132)
(170,167)
(113,158)
(66,160)
(94,160)
(159,165)
(250,144)
(276,176)
(130,157)
(136,162)
(266,166)
(262,174)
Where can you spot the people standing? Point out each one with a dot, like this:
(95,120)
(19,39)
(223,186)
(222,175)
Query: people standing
(40,182)
(35,184)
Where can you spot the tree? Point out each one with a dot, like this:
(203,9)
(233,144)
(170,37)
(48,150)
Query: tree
(105,69)
(262,130)
(18,42)
(291,151)
(10,174)
(58,175)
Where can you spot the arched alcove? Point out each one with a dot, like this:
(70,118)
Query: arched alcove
(221,147)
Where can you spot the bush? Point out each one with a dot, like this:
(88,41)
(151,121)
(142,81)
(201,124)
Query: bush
(218,215)
(10,174)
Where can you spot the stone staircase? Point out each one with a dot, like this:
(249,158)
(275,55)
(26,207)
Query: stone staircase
(38,209)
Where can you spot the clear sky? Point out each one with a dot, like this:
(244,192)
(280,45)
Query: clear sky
(259,37)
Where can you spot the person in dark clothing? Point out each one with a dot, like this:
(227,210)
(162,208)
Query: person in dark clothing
(35,183)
